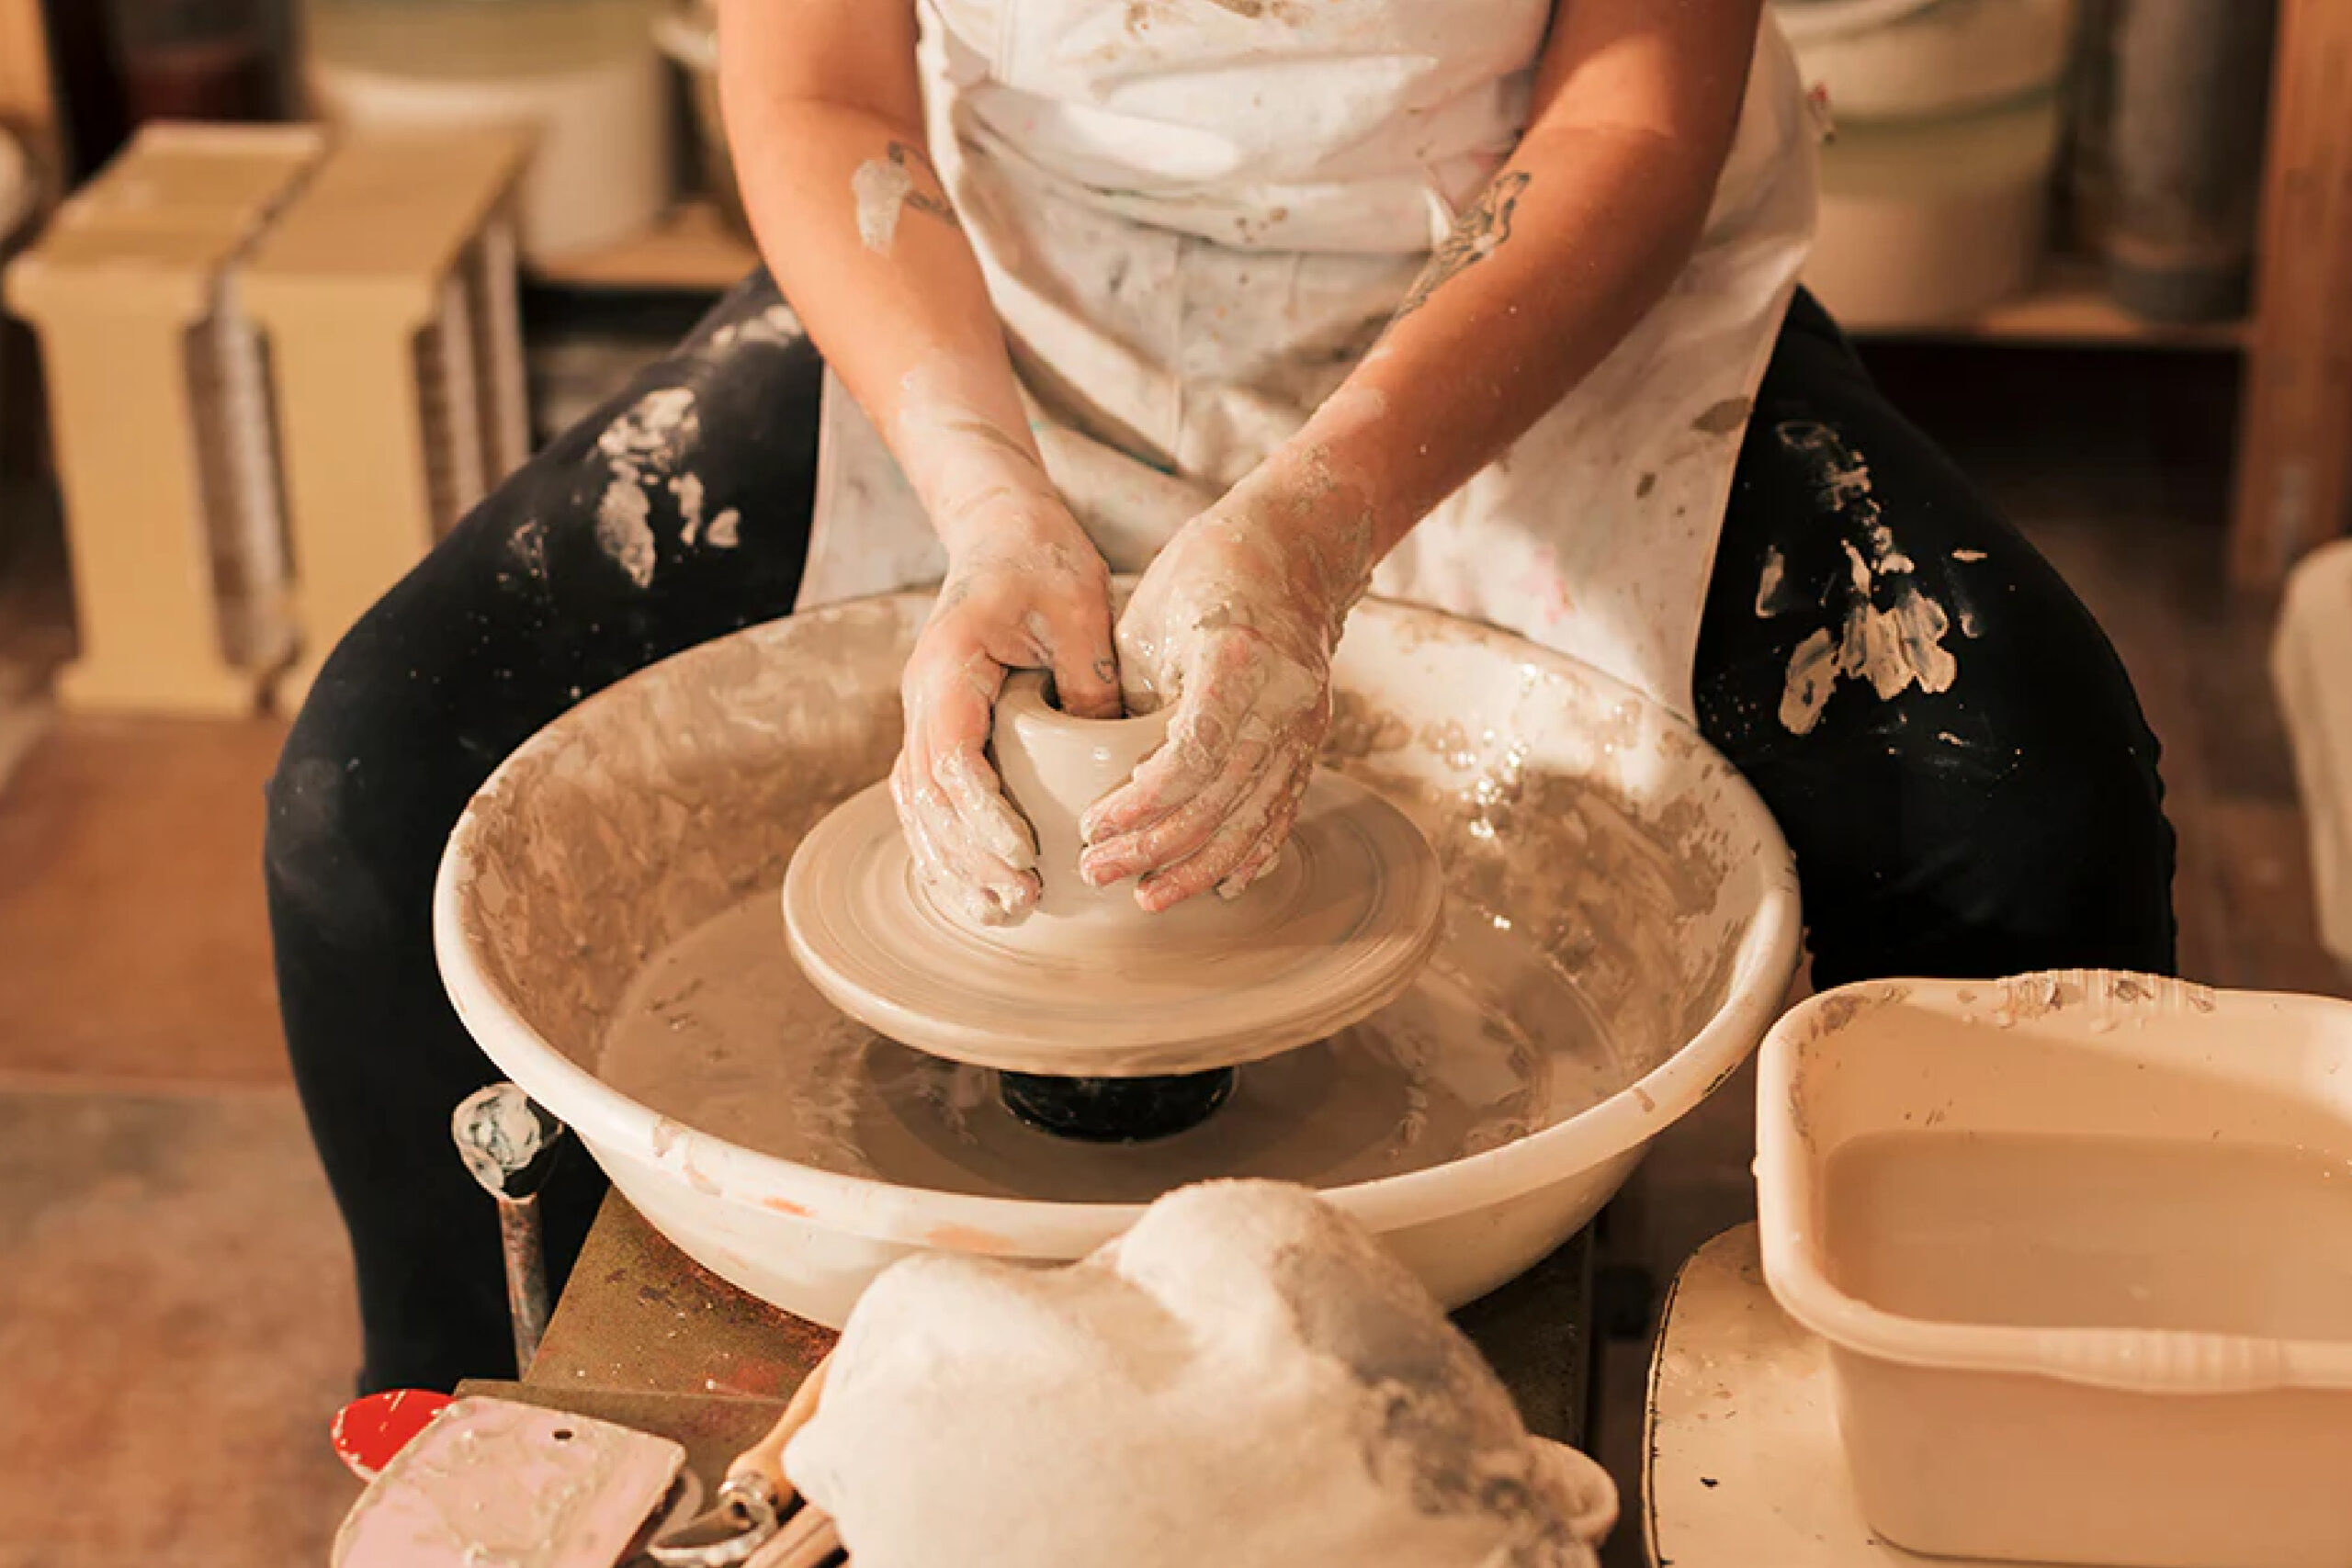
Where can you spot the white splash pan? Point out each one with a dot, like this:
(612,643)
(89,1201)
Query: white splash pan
(1589,816)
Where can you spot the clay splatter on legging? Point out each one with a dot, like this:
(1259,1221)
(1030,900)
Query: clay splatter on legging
(1892,634)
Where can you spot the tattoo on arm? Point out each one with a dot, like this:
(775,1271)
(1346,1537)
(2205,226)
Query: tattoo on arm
(1476,235)
(915,161)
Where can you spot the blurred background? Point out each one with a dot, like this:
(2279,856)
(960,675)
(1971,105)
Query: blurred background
(289,285)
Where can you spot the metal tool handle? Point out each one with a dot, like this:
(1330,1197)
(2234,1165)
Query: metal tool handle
(511,1145)
(521,1236)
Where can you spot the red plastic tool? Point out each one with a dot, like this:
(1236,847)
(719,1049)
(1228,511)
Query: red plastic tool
(368,1432)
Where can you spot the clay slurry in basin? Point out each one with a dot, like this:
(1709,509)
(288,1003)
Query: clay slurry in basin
(2042,1231)
(1088,985)
(722,1033)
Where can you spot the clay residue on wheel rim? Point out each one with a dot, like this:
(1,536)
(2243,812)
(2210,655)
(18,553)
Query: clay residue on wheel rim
(662,800)
(1543,812)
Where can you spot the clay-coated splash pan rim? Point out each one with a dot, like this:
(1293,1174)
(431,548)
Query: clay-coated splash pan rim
(2125,1361)
(1619,1126)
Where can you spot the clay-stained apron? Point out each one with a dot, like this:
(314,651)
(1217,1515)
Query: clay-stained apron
(1196,215)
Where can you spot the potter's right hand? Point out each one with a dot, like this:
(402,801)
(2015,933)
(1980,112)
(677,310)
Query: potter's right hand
(1026,590)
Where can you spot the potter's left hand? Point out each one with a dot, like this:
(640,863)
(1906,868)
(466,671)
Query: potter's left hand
(1235,623)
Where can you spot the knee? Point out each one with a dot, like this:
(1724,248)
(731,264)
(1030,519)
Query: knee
(2012,820)
(322,879)
(2095,790)
(355,806)
(2072,859)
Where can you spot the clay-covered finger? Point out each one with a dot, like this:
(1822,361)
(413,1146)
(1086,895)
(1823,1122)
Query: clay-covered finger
(1253,867)
(1085,669)
(974,789)
(1203,733)
(922,839)
(1264,856)
(916,821)
(1224,851)
(951,705)
(1180,832)
(924,810)
(953,712)
(984,888)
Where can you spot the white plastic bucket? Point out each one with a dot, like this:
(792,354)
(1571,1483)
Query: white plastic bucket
(2013,1433)
(584,80)
(1933,221)
(1880,60)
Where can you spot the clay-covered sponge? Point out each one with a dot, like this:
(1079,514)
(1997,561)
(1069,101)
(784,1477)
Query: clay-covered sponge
(1088,985)
(1244,1379)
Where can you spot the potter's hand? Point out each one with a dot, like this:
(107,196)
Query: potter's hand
(1026,591)
(1235,623)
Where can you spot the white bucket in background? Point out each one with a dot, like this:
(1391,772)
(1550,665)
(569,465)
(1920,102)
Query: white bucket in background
(585,78)
(1936,186)
(688,34)
(1923,59)
(1933,221)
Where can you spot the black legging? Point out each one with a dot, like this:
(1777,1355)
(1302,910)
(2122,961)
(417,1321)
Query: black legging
(2010,822)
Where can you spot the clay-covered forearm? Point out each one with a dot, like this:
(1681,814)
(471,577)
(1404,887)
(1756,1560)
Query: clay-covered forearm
(1577,236)
(824,118)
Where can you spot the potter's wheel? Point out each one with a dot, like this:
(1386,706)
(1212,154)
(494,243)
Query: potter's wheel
(1620,924)
(1089,985)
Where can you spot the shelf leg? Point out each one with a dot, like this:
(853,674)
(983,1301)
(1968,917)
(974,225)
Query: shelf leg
(2294,478)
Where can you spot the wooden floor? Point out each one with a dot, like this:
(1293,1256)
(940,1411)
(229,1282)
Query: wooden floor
(169,1266)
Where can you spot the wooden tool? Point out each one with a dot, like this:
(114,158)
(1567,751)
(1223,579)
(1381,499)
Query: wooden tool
(752,1520)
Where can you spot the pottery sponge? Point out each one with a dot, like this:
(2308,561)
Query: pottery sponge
(1244,1378)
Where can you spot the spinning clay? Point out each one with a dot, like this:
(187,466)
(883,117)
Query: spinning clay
(1088,984)
(1244,1379)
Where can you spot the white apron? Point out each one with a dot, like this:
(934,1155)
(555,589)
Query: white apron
(1195,216)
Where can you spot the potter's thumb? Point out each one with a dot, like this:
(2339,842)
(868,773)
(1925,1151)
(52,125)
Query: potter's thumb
(1086,681)
(1143,685)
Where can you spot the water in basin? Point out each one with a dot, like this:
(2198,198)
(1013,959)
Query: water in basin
(720,1033)
(2038,1230)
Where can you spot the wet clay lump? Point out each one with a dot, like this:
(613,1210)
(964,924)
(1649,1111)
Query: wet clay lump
(1089,983)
